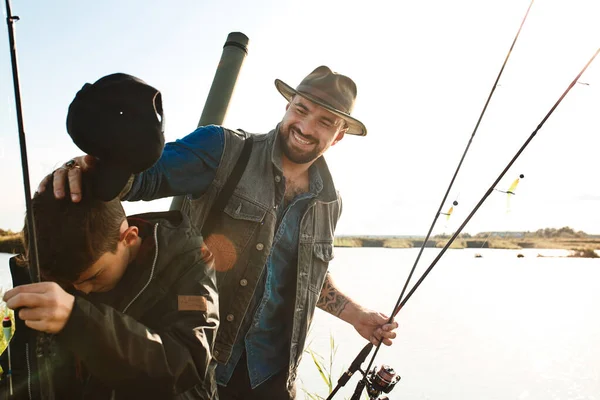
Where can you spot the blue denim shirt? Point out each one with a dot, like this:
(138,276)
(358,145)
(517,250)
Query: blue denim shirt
(264,334)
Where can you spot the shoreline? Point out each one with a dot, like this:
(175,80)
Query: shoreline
(574,244)
(12,243)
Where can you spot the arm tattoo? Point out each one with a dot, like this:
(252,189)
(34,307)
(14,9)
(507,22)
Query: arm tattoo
(331,300)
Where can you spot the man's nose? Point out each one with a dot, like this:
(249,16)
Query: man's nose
(306,127)
(83,287)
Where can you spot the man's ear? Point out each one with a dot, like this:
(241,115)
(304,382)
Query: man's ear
(339,136)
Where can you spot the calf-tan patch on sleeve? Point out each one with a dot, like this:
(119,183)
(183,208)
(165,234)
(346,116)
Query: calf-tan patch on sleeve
(191,303)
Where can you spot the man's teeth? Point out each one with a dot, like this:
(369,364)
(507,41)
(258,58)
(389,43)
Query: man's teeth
(298,138)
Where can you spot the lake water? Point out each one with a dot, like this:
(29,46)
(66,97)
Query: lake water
(496,327)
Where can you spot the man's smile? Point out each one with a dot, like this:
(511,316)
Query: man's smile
(300,138)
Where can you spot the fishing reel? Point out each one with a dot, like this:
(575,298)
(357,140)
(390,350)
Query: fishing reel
(380,381)
(375,381)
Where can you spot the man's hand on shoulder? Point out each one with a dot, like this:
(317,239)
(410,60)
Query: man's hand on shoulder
(44,306)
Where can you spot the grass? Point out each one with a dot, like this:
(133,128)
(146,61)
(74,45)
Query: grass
(325,368)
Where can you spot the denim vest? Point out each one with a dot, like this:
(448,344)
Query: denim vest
(243,235)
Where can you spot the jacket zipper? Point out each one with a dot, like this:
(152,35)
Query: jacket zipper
(28,371)
(113,394)
(151,271)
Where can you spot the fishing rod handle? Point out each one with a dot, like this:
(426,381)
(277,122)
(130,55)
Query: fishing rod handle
(354,366)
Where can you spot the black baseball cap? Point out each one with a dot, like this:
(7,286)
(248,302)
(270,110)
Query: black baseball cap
(119,120)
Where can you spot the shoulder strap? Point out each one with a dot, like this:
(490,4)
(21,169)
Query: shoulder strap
(235,176)
(230,185)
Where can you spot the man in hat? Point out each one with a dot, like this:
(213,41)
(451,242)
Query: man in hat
(272,236)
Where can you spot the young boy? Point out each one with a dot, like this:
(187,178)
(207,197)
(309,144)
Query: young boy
(130,302)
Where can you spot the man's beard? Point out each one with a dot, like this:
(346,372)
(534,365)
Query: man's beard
(293,154)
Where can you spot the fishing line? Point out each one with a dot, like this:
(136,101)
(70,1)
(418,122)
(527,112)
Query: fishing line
(492,187)
(439,211)
(483,199)
(445,197)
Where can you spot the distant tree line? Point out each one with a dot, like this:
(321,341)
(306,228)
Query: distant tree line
(448,236)
(547,233)
(564,232)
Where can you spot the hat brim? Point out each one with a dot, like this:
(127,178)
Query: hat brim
(355,127)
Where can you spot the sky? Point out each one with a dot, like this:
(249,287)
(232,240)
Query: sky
(423,69)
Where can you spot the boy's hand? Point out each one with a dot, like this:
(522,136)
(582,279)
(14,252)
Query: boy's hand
(45,306)
(69,176)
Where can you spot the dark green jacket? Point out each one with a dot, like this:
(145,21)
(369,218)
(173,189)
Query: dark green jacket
(151,337)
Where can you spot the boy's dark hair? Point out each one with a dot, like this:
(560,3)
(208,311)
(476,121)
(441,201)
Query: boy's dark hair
(73,236)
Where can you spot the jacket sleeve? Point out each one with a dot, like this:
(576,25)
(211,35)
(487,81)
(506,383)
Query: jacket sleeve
(187,166)
(127,355)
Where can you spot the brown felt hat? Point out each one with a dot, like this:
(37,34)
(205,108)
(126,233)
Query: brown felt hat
(330,90)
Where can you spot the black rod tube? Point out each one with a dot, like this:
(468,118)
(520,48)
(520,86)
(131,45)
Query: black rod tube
(234,53)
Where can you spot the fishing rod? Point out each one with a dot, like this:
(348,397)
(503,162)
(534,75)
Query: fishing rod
(42,339)
(489,191)
(366,350)
(33,252)
(439,211)
(492,187)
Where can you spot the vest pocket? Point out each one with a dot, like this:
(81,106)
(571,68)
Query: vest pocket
(242,209)
(233,231)
(322,255)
